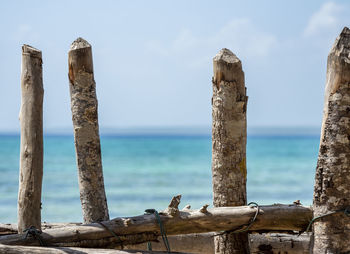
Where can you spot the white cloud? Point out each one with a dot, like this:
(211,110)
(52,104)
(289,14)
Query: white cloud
(326,19)
(240,35)
(185,40)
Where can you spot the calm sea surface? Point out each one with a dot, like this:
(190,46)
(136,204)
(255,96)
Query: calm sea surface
(146,171)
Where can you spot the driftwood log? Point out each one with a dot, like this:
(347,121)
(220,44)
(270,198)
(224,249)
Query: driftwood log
(259,243)
(31,154)
(138,229)
(86,132)
(229,139)
(64,250)
(204,244)
(9,229)
(332,188)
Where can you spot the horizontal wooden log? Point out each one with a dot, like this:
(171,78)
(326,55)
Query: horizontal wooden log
(144,228)
(15,249)
(259,243)
(279,243)
(9,228)
(203,243)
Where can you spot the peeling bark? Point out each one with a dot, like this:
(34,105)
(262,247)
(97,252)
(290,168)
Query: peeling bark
(332,188)
(86,132)
(31,154)
(229,138)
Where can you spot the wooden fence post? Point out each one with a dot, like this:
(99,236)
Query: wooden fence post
(332,181)
(31,154)
(229,138)
(86,132)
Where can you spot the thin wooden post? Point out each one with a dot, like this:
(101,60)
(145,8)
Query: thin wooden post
(229,138)
(332,181)
(31,151)
(86,132)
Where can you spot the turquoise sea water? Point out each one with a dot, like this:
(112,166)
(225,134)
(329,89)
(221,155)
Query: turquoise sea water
(146,171)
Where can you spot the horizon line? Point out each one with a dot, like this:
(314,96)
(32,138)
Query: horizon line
(184,131)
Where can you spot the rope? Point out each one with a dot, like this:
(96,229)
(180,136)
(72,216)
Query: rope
(250,223)
(114,234)
(149,246)
(162,231)
(35,233)
(346,211)
(252,220)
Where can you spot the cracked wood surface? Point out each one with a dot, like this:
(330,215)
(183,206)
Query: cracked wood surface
(332,188)
(229,138)
(86,132)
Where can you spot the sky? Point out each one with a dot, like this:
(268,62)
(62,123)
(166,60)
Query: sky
(153,59)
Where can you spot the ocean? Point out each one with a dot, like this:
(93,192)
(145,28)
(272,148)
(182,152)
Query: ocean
(146,171)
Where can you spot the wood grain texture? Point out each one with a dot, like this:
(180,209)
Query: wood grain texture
(229,138)
(31,151)
(86,132)
(332,188)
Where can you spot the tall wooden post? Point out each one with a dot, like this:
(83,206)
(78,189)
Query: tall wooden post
(332,181)
(86,132)
(229,138)
(31,151)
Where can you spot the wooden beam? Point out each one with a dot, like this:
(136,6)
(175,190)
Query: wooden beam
(145,227)
(259,243)
(204,243)
(9,228)
(31,154)
(64,250)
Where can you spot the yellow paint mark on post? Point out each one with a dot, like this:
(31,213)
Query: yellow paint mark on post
(243,168)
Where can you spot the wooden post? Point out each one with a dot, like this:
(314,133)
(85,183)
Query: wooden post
(332,181)
(86,132)
(31,154)
(229,138)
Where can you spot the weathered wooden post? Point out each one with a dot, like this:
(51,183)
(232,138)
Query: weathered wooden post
(86,132)
(332,181)
(229,138)
(31,151)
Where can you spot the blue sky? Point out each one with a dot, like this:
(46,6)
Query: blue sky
(153,59)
